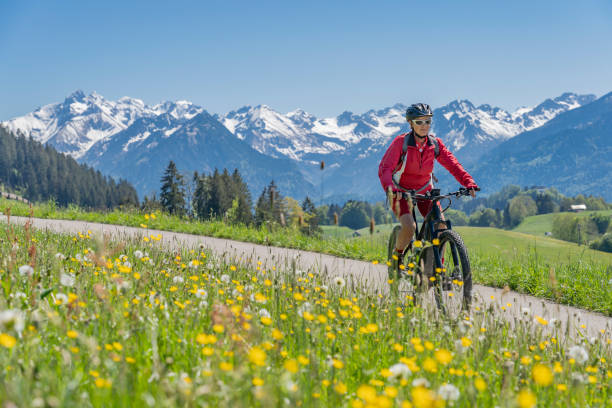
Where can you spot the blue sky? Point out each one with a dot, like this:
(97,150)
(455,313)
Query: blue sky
(322,56)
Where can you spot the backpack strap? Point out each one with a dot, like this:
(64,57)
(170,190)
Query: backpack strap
(433,141)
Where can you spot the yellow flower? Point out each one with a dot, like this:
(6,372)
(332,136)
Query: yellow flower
(72,334)
(265,320)
(217,328)
(542,374)
(130,360)
(480,384)
(430,365)
(303,360)
(7,340)
(367,393)
(391,392)
(208,351)
(277,334)
(562,387)
(465,342)
(423,398)
(226,366)
(257,356)
(292,366)
(525,360)
(435,241)
(398,347)
(337,364)
(258,382)
(417,244)
(340,388)
(443,356)
(526,399)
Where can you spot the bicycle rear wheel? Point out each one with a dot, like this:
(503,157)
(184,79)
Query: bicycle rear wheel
(454,285)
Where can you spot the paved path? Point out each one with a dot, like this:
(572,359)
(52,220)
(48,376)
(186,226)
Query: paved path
(588,323)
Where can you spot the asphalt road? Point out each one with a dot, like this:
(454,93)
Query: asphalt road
(581,322)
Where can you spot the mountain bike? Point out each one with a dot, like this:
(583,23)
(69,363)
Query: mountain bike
(436,263)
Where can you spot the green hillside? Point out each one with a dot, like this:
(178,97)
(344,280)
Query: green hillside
(539,224)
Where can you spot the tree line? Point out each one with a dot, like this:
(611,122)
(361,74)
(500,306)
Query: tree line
(40,173)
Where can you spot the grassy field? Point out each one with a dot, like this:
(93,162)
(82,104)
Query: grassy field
(85,322)
(540,266)
(540,224)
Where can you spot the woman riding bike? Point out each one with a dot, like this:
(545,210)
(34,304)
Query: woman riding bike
(408,165)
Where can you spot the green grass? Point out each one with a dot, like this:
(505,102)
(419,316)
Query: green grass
(540,224)
(539,266)
(141,326)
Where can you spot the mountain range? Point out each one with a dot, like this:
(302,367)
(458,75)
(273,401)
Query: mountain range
(130,139)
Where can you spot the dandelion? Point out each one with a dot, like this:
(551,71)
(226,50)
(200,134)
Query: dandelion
(480,384)
(178,279)
(339,282)
(12,319)
(67,279)
(257,356)
(138,254)
(225,278)
(366,393)
(420,382)
(291,365)
(443,356)
(60,256)
(526,399)
(579,354)
(542,375)
(340,388)
(399,371)
(258,382)
(26,270)
(449,392)
(8,341)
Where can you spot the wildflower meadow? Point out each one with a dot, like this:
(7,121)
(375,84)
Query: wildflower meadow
(90,321)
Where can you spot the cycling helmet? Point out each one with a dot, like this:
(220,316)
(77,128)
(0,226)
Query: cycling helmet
(417,110)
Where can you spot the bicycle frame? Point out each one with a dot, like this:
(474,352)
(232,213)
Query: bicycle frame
(428,230)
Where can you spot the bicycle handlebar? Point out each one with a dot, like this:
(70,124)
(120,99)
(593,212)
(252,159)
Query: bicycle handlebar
(434,194)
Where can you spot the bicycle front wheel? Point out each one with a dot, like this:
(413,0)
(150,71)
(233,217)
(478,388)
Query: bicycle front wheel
(455,286)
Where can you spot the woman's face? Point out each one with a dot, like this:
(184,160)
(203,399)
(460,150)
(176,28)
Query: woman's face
(421,126)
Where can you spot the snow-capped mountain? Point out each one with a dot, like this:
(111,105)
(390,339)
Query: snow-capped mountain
(98,132)
(75,124)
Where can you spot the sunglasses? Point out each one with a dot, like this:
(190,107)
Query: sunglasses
(422,122)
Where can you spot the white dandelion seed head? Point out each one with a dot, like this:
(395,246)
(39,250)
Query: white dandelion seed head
(127,264)
(60,256)
(67,279)
(339,282)
(12,319)
(446,329)
(151,262)
(526,311)
(178,279)
(138,254)
(235,293)
(203,304)
(579,354)
(399,371)
(324,288)
(264,313)
(62,298)
(79,257)
(578,378)
(26,270)
(225,278)
(449,392)
(420,382)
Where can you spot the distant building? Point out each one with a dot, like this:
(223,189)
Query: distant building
(577,207)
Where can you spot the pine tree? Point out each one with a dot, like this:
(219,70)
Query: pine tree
(172,195)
